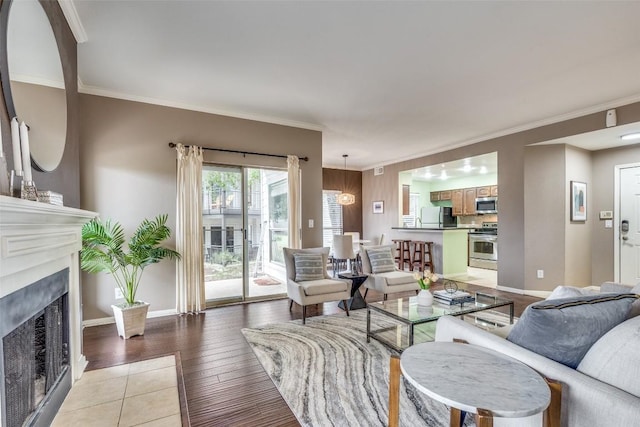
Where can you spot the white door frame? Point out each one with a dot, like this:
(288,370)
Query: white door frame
(616,217)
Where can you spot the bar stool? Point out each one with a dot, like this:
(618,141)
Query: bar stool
(403,253)
(422,255)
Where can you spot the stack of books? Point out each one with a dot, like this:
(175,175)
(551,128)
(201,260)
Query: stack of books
(50,197)
(457,297)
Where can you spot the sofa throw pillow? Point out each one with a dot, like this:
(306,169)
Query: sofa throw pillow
(614,358)
(564,329)
(635,307)
(569,292)
(381,260)
(308,267)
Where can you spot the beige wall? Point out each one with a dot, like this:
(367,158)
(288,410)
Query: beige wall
(128,173)
(578,241)
(602,199)
(511,182)
(544,199)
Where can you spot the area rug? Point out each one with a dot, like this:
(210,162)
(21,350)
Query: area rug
(266,281)
(330,376)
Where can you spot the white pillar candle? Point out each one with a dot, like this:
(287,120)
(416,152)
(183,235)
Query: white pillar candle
(15,142)
(26,155)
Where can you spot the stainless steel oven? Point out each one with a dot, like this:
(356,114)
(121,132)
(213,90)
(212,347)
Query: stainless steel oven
(483,249)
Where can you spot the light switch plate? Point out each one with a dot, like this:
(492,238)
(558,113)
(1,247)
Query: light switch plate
(310,223)
(119,294)
(606,214)
(608,224)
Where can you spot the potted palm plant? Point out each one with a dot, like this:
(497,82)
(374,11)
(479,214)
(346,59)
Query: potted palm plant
(103,251)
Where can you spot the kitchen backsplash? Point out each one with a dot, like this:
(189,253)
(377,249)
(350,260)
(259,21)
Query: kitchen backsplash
(470,221)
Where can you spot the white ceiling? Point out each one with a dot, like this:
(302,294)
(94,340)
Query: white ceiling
(385,81)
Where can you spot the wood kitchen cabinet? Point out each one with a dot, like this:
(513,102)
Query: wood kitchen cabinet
(406,197)
(457,201)
(445,195)
(494,191)
(483,191)
(469,202)
(434,196)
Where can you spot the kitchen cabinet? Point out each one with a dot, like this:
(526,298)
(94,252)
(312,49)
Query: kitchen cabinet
(469,202)
(494,191)
(457,201)
(437,196)
(406,197)
(483,191)
(445,195)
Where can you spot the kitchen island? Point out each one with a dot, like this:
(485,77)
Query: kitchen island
(450,246)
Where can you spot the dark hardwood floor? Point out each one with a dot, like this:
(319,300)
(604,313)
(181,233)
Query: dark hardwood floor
(224,382)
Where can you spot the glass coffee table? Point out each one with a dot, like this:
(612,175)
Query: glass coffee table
(401,317)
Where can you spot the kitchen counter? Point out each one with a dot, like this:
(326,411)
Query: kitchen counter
(450,246)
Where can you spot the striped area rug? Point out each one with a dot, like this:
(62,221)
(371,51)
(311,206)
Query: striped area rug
(330,376)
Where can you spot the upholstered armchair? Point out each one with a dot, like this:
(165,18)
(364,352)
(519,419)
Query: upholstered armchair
(308,281)
(384,277)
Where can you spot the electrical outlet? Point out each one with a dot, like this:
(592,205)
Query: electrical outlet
(119,294)
(540,274)
(311,224)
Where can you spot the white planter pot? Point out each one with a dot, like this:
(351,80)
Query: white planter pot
(130,320)
(425,298)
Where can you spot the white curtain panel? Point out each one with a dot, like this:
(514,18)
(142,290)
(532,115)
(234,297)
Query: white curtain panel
(190,296)
(295,217)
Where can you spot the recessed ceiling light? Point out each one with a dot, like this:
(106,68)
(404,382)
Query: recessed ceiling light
(467,168)
(631,136)
(483,169)
(443,175)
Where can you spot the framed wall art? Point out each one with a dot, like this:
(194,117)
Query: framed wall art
(578,201)
(378,207)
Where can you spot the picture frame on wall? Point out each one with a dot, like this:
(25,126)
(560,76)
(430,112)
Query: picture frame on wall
(578,201)
(378,207)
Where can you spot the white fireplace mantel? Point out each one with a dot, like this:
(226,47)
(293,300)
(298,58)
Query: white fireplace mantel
(37,240)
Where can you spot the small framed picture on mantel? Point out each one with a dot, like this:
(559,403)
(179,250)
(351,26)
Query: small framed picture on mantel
(378,207)
(578,201)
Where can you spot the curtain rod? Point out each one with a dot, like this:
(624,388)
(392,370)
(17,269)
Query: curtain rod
(244,153)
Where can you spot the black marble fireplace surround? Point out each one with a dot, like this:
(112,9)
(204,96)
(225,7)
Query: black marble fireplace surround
(34,351)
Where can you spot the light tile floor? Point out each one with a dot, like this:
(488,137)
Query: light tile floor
(138,394)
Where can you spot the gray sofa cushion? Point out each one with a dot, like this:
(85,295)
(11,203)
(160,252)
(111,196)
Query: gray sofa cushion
(564,329)
(615,358)
(308,267)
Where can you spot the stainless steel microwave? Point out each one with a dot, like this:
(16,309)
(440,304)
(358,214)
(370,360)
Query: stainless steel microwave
(487,205)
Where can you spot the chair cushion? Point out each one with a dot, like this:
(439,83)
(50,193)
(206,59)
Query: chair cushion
(366,265)
(381,260)
(289,260)
(615,358)
(564,329)
(308,267)
(323,286)
(395,278)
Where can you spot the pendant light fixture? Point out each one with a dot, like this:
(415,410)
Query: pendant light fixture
(345,198)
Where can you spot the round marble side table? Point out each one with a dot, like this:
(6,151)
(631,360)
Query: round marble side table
(474,379)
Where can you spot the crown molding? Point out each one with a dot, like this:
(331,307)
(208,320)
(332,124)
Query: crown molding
(92,90)
(73,19)
(533,125)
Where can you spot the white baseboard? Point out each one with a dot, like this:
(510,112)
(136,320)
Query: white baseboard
(538,294)
(107,320)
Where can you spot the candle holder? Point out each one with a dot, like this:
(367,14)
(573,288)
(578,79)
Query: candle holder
(29,191)
(15,184)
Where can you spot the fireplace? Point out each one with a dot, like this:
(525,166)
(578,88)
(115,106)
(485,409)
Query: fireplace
(40,309)
(35,350)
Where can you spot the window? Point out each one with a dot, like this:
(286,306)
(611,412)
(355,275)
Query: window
(331,217)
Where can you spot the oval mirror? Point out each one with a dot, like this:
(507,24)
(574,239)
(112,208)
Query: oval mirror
(37,96)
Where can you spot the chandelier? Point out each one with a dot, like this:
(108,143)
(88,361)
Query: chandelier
(345,198)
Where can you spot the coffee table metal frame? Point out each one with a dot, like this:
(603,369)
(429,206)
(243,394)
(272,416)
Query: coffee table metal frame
(412,318)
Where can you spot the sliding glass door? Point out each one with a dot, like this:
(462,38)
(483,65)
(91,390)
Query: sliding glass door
(245,228)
